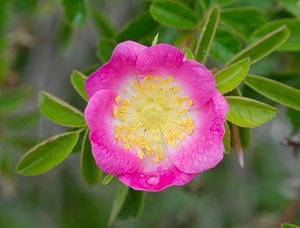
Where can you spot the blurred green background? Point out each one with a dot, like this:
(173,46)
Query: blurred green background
(43,41)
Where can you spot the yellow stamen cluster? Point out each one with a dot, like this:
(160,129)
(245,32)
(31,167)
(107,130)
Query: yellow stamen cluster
(151,115)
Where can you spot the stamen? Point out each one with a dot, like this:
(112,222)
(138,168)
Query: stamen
(153,113)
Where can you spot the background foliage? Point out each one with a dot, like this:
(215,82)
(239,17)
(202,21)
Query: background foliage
(41,44)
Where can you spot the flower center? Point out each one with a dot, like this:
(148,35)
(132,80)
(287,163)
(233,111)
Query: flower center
(151,116)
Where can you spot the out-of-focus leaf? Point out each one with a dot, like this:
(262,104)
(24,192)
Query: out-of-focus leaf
(107,179)
(226,139)
(294,117)
(75,11)
(25,8)
(263,46)
(17,122)
(90,69)
(12,100)
(245,137)
(174,14)
(155,39)
(102,25)
(291,6)
(22,142)
(243,20)
(118,203)
(225,2)
(188,53)
(209,3)
(133,204)
(59,111)
(288,225)
(3,13)
(224,46)
(231,76)
(250,113)
(4,67)
(199,8)
(207,35)
(275,91)
(293,43)
(64,34)
(105,48)
(47,154)
(138,29)
(77,80)
(6,169)
(89,170)
(168,34)
(265,6)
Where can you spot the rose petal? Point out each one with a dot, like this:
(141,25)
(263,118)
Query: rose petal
(165,60)
(112,74)
(203,149)
(156,181)
(197,81)
(109,155)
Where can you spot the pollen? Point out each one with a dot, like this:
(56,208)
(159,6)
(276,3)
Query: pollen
(152,116)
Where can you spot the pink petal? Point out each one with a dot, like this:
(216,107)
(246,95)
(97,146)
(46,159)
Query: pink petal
(156,181)
(198,82)
(112,74)
(160,59)
(109,155)
(165,60)
(204,148)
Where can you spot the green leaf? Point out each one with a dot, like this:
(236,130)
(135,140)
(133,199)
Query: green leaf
(265,6)
(209,3)
(245,137)
(263,46)
(291,6)
(102,24)
(173,14)
(293,43)
(138,29)
(74,11)
(77,148)
(243,20)
(105,49)
(225,45)
(133,204)
(47,154)
(155,39)
(59,111)
(275,91)
(225,2)
(188,53)
(89,170)
(107,179)
(246,112)
(118,203)
(231,76)
(12,100)
(207,35)
(226,139)
(77,80)
(288,225)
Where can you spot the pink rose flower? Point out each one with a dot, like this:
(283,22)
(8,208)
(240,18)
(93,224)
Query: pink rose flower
(155,118)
